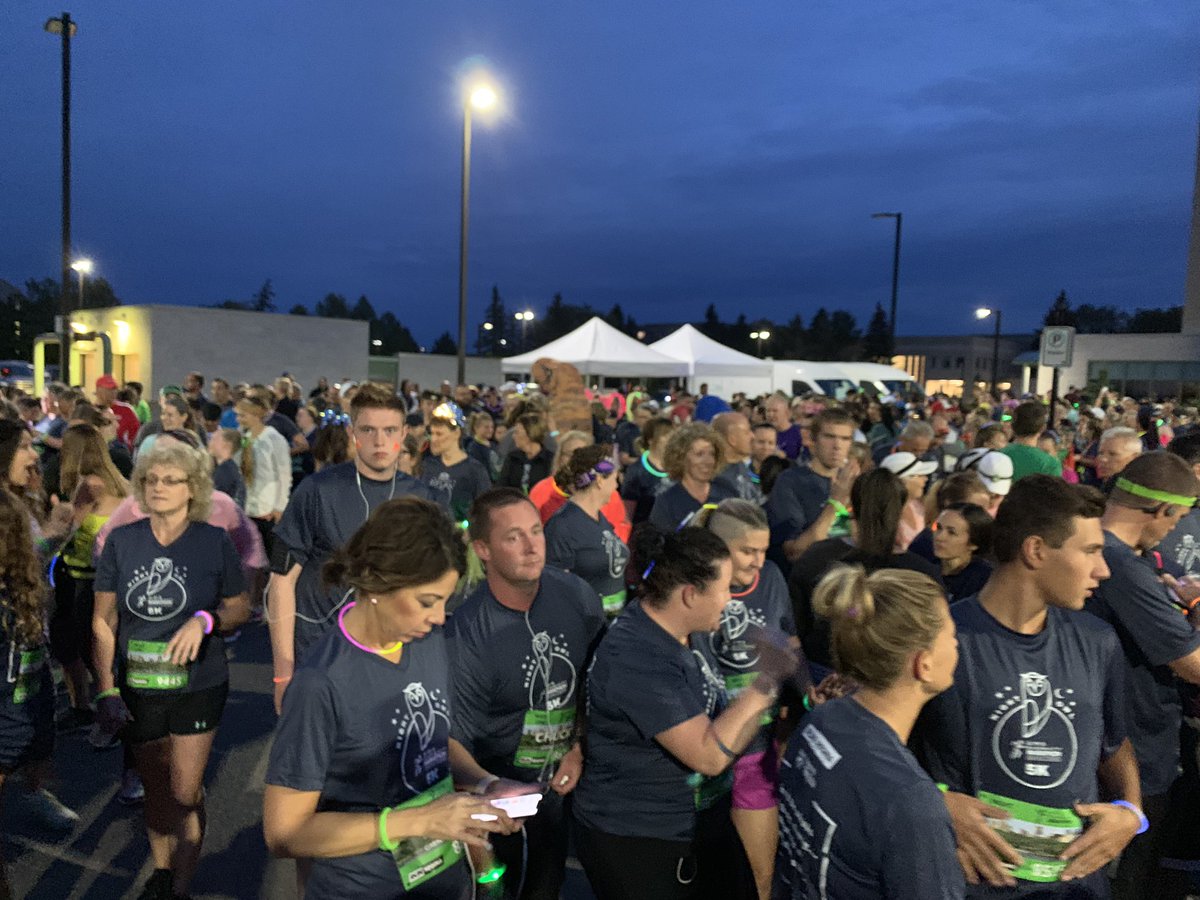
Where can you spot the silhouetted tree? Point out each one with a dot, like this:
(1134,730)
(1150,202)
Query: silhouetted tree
(298,310)
(444,345)
(877,345)
(363,310)
(334,306)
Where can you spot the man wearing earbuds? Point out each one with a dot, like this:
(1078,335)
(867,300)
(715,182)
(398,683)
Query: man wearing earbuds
(519,649)
(323,512)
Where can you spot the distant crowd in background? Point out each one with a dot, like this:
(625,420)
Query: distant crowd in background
(868,646)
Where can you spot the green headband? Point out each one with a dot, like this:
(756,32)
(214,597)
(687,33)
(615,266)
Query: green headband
(1124,484)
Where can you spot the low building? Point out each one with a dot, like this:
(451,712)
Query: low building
(944,363)
(1134,365)
(159,344)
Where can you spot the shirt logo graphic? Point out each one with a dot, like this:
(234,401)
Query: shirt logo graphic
(1188,555)
(443,484)
(1034,740)
(158,592)
(714,684)
(820,746)
(421,731)
(617,553)
(549,673)
(728,641)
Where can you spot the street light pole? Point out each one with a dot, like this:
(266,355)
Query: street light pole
(997,316)
(66,28)
(899,217)
(482,97)
(462,244)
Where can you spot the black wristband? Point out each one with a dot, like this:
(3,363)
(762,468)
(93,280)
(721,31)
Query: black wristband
(216,622)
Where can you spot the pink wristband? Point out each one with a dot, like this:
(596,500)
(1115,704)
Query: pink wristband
(208,620)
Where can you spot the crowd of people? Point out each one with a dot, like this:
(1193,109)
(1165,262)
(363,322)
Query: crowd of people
(773,647)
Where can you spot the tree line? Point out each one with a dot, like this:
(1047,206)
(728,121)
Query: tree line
(827,335)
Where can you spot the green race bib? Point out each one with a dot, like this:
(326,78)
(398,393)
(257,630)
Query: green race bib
(546,736)
(614,603)
(147,667)
(735,684)
(1038,833)
(29,681)
(420,858)
(706,791)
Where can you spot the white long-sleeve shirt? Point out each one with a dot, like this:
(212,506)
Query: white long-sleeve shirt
(272,483)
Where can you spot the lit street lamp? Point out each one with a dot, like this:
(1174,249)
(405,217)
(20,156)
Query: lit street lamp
(895,269)
(760,336)
(83,267)
(524,317)
(482,96)
(982,313)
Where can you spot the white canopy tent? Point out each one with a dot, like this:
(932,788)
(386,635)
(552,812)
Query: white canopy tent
(705,356)
(596,348)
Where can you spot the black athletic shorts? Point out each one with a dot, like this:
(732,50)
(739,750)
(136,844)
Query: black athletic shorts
(156,716)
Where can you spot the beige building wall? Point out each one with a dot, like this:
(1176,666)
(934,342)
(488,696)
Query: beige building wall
(159,345)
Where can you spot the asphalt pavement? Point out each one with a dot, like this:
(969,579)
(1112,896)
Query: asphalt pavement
(106,856)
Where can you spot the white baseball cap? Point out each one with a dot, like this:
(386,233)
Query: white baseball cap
(994,468)
(908,465)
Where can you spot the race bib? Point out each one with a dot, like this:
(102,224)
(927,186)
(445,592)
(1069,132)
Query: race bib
(546,736)
(735,684)
(614,603)
(148,668)
(419,859)
(1038,833)
(29,681)
(706,791)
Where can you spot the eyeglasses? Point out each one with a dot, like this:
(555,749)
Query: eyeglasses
(167,480)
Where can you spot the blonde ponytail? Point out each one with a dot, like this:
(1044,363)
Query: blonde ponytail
(879,620)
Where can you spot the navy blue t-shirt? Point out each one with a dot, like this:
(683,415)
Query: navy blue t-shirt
(641,683)
(794,504)
(158,589)
(227,478)
(26,699)
(858,818)
(642,483)
(763,604)
(1027,723)
(739,478)
(969,581)
(590,549)
(456,487)
(675,504)
(1153,634)
(368,733)
(1182,545)
(517,680)
(323,513)
(627,437)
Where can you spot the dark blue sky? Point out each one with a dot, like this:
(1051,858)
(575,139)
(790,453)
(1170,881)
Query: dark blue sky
(659,155)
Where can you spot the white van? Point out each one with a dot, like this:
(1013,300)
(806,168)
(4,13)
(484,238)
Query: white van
(798,376)
(876,379)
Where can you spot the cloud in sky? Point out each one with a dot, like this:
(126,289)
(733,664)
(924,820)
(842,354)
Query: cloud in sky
(660,156)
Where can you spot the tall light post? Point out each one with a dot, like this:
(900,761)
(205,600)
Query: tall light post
(83,267)
(524,317)
(760,336)
(899,217)
(482,96)
(65,27)
(982,313)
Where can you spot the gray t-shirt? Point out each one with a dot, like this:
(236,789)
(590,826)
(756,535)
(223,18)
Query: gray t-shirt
(455,487)
(590,549)
(322,515)
(1182,545)
(158,589)
(517,678)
